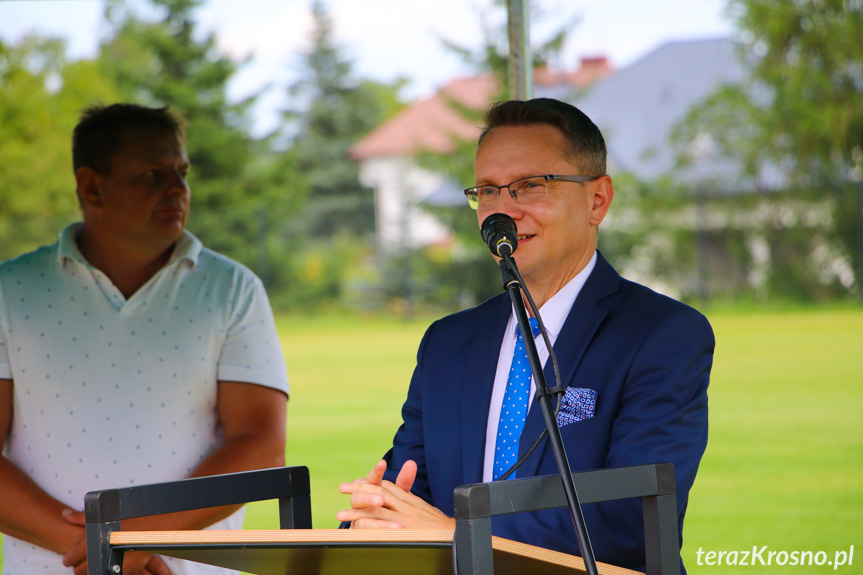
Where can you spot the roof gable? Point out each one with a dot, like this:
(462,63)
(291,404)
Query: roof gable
(431,124)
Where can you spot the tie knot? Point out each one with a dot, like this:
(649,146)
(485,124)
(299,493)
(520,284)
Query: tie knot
(534,327)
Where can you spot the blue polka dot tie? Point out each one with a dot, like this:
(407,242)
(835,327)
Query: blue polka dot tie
(514,409)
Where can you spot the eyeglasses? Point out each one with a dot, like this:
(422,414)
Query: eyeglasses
(523,191)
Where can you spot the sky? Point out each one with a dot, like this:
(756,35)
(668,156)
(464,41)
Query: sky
(386,39)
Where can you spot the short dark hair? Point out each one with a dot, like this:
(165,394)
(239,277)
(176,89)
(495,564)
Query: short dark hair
(97,137)
(586,145)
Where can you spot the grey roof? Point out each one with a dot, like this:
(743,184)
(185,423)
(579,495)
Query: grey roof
(636,108)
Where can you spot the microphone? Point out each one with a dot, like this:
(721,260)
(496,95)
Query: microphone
(499,234)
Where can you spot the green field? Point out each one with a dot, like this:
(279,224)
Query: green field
(784,463)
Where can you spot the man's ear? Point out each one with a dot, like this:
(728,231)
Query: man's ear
(603,194)
(88,181)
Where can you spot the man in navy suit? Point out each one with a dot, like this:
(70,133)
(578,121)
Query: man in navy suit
(636,364)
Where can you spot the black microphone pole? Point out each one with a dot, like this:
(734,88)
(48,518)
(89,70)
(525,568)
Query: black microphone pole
(512,285)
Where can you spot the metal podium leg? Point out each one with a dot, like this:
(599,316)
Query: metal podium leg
(472,547)
(660,535)
(295,512)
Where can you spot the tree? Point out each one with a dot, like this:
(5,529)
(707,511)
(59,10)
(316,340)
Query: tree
(332,232)
(331,111)
(240,200)
(800,115)
(811,60)
(41,95)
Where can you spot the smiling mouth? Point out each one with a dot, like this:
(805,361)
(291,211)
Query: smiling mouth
(525,236)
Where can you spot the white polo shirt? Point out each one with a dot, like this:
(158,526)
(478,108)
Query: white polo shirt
(111,392)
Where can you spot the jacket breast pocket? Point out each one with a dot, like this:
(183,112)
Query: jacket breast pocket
(587,426)
(586,443)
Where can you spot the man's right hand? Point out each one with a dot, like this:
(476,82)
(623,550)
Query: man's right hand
(134,562)
(404,481)
(379,504)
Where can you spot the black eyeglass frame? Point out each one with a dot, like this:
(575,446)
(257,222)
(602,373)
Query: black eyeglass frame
(473,192)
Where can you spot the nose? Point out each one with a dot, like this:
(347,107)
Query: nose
(177,185)
(507,204)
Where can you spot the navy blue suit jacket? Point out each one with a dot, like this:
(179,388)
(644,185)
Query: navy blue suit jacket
(647,356)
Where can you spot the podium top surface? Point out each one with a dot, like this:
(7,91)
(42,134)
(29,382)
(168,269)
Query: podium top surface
(345,551)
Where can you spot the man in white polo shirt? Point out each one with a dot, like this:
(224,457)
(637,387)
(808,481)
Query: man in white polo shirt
(129,353)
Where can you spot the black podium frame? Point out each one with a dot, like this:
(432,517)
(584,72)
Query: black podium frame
(476,504)
(105,509)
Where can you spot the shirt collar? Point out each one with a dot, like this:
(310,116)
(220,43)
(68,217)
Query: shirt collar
(67,247)
(188,247)
(556,309)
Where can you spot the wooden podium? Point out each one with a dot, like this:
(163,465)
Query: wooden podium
(296,549)
(343,551)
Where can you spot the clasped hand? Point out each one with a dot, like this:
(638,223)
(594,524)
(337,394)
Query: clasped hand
(380,504)
(134,562)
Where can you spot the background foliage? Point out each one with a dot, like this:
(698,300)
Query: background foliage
(41,94)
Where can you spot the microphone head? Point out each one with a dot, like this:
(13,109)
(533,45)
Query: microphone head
(499,234)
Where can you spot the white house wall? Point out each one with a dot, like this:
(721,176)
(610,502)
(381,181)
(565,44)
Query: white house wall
(400,185)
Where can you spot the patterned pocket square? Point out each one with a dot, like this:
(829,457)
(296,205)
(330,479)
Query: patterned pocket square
(576,405)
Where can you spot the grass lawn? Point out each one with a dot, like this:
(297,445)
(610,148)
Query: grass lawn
(784,463)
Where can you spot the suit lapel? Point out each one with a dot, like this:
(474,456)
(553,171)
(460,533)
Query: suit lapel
(578,330)
(479,375)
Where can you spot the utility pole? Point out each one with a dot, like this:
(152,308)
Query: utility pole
(520,60)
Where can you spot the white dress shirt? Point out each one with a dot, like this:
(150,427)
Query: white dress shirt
(553,314)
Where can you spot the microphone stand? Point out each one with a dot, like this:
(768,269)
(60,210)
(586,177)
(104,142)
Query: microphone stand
(512,285)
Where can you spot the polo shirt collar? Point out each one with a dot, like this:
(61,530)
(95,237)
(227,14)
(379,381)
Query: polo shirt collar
(188,247)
